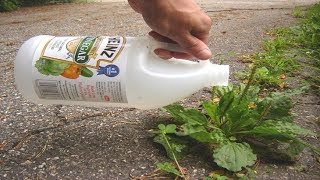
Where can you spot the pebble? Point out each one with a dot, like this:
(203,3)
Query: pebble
(27,162)
(42,165)
(55,158)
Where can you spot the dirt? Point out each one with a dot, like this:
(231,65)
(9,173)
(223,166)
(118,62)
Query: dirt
(73,142)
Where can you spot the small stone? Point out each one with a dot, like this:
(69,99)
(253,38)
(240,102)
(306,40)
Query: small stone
(55,158)
(291,168)
(27,162)
(42,165)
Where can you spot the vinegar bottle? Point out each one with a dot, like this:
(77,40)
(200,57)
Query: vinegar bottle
(109,71)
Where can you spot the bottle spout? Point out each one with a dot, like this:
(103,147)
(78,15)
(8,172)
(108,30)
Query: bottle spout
(218,74)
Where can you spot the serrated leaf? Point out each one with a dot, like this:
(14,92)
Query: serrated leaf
(218,136)
(281,104)
(280,107)
(279,130)
(200,134)
(234,156)
(220,91)
(226,102)
(192,116)
(170,128)
(182,115)
(168,168)
(295,148)
(174,110)
(167,129)
(241,118)
(162,127)
(212,110)
(216,177)
(177,146)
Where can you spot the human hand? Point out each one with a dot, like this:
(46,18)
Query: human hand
(176,21)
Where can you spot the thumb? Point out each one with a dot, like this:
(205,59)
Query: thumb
(194,46)
(135,5)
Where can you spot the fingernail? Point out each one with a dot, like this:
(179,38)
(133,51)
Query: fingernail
(162,55)
(204,54)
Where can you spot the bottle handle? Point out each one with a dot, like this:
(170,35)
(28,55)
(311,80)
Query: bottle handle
(172,47)
(164,45)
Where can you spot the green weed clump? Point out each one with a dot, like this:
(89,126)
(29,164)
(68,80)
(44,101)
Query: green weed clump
(233,128)
(9,5)
(307,40)
(282,53)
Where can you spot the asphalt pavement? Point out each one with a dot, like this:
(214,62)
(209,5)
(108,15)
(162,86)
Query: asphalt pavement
(74,142)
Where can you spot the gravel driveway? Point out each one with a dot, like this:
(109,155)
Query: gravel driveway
(71,142)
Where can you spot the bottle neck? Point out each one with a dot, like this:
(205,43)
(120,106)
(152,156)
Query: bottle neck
(218,74)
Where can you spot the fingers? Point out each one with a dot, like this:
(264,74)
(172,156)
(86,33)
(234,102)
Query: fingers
(160,38)
(194,46)
(165,54)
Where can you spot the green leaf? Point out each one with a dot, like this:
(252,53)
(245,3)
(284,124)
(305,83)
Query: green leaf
(170,128)
(168,168)
(192,116)
(221,91)
(216,177)
(200,134)
(295,148)
(174,110)
(176,147)
(162,127)
(167,129)
(182,115)
(225,103)
(241,118)
(212,110)
(279,130)
(234,156)
(281,105)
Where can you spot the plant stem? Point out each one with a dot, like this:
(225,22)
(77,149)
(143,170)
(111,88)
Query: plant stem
(264,113)
(174,156)
(248,84)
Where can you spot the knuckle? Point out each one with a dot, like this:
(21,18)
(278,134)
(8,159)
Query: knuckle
(207,22)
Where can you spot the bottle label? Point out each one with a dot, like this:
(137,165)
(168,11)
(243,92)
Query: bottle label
(82,69)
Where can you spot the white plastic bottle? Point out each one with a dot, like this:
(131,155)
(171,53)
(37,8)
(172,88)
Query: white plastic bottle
(110,71)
